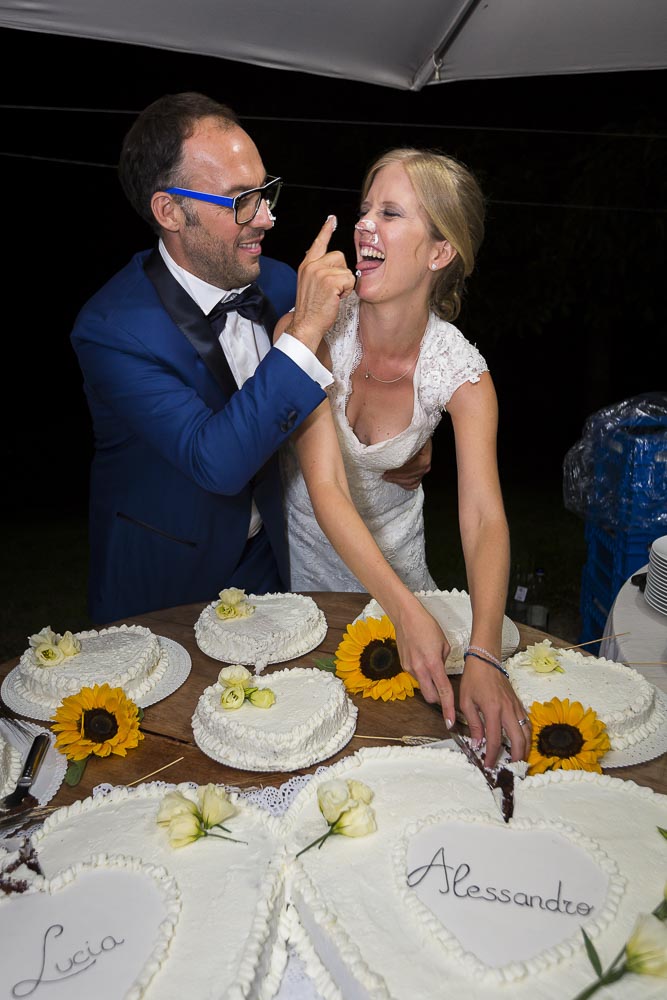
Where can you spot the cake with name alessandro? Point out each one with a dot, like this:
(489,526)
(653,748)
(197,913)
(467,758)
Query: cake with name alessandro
(620,696)
(278,627)
(125,656)
(445,892)
(311,719)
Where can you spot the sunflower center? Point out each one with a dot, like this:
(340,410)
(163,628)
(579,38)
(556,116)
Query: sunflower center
(560,740)
(99,725)
(380,659)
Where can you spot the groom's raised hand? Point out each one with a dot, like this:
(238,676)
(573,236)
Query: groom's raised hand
(323,280)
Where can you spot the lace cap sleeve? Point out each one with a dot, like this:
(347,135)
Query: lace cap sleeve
(448,360)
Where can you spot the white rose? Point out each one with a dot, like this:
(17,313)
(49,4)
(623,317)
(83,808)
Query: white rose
(231,596)
(646,950)
(175,804)
(233,697)
(215,805)
(332,798)
(69,644)
(359,792)
(184,829)
(262,697)
(46,635)
(356,822)
(47,655)
(234,675)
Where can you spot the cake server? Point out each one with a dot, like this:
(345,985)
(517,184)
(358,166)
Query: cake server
(21,794)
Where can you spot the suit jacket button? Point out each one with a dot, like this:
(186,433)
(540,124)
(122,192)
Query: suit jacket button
(288,424)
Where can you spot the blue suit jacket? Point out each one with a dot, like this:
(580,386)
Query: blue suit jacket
(178,458)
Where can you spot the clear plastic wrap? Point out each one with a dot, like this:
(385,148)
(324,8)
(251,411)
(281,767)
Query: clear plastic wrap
(616,474)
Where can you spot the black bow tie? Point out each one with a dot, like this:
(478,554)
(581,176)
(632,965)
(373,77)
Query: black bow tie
(249,303)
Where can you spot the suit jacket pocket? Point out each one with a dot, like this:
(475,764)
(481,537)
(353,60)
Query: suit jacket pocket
(156,531)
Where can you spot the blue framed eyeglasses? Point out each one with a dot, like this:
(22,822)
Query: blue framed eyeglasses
(246,204)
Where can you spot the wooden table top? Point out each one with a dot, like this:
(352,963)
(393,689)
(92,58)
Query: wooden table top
(168,731)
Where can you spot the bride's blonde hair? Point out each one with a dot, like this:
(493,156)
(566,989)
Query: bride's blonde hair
(454,205)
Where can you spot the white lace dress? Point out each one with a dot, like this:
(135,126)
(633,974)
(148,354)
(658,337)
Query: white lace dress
(393,515)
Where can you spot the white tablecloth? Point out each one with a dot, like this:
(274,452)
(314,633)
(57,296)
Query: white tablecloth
(645,645)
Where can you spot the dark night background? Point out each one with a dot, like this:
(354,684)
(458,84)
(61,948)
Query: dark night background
(566,302)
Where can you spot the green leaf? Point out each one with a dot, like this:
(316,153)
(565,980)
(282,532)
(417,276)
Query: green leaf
(75,769)
(614,975)
(663,832)
(328,664)
(140,714)
(592,954)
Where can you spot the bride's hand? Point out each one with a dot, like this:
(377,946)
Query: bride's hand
(490,705)
(423,649)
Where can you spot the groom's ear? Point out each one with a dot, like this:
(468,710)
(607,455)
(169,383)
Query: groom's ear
(167,212)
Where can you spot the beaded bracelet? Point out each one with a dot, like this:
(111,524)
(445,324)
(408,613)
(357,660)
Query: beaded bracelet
(485,652)
(484,660)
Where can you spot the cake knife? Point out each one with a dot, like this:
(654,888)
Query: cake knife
(502,782)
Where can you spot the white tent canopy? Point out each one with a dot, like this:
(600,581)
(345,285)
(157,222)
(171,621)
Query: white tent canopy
(396,43)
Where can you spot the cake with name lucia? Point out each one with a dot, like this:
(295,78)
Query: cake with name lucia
(620,696)
(56,666)
(148,893)
(256,630)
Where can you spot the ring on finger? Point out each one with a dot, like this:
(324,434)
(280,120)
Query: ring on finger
(524,722)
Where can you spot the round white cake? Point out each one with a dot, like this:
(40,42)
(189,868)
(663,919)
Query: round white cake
(453,612)
(282,627)
(620,696)
(311,719)
(10,766)
(125,656)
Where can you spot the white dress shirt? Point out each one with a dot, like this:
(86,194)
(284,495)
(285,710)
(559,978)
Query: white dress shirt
(244,343)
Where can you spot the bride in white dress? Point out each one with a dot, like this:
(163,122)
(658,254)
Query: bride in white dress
(397,364)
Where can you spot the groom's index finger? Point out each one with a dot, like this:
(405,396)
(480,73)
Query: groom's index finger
(320,244)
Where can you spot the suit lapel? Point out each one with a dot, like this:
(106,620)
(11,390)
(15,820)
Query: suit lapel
(191,321)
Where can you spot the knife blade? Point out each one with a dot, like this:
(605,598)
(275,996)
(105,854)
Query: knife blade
(33,762)
(500,783)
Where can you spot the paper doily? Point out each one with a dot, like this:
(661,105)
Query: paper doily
(51,773)
(175,674)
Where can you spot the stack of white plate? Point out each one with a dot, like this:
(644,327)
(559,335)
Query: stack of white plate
(656,579)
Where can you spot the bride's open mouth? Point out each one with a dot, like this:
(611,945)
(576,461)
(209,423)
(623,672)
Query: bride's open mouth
(369,259)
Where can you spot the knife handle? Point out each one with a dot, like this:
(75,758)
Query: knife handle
(36,755)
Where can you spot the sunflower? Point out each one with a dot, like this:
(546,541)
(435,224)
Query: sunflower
(367,661)
(97,720)
(566,736)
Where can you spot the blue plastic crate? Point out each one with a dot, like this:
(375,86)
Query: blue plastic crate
(613,556)
(630,481)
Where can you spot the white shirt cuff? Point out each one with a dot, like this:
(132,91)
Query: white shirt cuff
(305,359)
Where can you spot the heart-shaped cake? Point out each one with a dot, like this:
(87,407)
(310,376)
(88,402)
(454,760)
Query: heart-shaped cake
(99,929)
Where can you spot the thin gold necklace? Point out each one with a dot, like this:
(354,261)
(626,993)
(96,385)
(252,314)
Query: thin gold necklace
(369,374)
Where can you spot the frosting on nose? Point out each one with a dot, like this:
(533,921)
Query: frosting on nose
(366,226)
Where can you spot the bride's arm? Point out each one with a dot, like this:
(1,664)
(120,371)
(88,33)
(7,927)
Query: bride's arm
(421,644)
(485,540)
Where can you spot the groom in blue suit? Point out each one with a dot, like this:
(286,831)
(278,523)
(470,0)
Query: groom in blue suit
(189,399)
